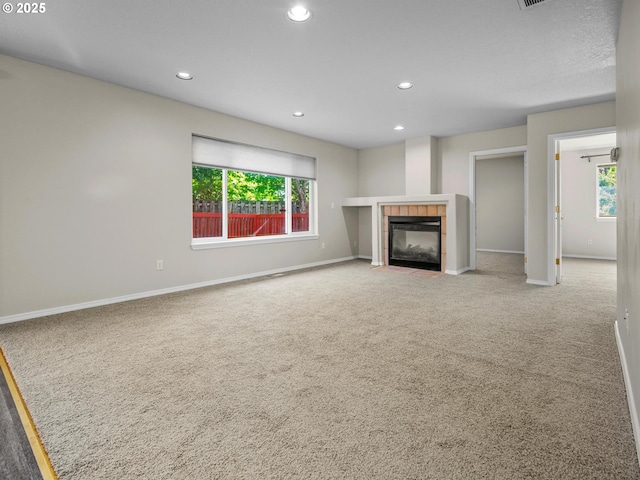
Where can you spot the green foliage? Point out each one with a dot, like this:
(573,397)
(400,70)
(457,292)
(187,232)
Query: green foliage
(245,186)
(254,186)
(607,176)
(607,191)
(206,183)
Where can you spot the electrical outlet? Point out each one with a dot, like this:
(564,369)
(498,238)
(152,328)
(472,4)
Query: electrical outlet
(589,242)
(355,243)
(322,245)
(333,205)
(159,264)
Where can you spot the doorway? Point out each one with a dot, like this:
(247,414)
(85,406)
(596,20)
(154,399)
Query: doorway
(495,166)
(576,229)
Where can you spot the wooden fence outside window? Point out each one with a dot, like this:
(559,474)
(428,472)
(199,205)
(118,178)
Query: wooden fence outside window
(246,219)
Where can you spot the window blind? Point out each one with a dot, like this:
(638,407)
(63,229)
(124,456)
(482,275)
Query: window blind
(238,156)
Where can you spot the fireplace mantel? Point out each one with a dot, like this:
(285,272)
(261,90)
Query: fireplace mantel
(457,239)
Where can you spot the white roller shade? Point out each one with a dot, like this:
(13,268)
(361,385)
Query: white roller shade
(237,156)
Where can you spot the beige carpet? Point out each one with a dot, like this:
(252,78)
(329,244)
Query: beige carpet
(345,372)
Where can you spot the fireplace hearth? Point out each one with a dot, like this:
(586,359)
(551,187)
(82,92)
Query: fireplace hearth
(415,242)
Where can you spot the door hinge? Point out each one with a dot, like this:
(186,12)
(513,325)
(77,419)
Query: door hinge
(525,259)
(557,208)
(557,261)
(557,156)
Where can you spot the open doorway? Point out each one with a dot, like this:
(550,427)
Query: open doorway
(498,199)
(583,217)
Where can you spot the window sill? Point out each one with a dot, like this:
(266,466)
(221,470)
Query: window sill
(207,243)
(606,219)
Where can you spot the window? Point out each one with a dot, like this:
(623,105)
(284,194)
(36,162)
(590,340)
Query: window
(241,191)
(606,191)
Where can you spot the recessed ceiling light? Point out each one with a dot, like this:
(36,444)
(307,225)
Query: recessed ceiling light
(299,14)
(184,76)
(405,85)
(398,127)
(298,114)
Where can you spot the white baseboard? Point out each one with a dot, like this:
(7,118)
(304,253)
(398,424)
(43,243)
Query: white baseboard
(539,282)
(635,424)
(589,257)
(457,272)
(365,257)
(137,296)
(499,251)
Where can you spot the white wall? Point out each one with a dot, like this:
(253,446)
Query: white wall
(500,204)
(95,185)
(454,153)
(421,165)
(628,137)
(579,207)
(381,171)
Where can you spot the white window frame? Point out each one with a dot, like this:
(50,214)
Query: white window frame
(223,241)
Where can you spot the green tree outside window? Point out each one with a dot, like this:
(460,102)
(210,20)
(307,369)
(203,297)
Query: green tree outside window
(607,191)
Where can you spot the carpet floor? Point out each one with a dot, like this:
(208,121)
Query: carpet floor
(342,372)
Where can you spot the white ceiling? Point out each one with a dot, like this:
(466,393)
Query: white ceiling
(476,64)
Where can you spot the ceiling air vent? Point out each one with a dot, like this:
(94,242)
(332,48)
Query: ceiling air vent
(525,4)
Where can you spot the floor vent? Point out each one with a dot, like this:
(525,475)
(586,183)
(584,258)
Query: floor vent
(525,4)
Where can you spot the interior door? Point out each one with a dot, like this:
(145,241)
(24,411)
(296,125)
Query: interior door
(526,213)
(558,215)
